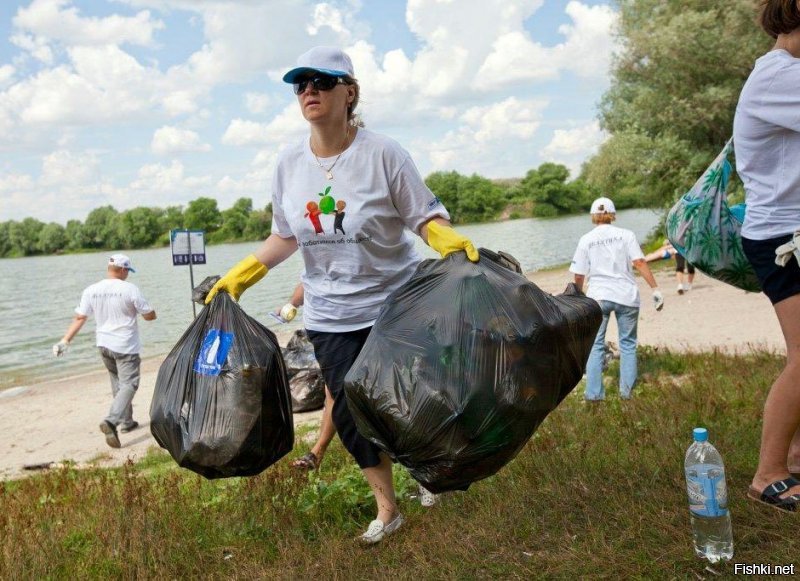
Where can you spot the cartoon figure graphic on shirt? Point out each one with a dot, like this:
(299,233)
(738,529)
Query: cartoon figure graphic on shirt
(313,215)
(337,221)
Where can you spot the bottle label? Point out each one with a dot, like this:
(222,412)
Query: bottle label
(213,352)
(705,486)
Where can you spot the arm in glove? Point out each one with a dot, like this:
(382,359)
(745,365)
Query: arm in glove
(60,348)
(445,240)
(238,279)
(658,299)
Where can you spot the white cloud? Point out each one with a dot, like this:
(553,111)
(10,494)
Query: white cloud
(37,47)
(157,178)
(170,140)
(587,50)
(59,20)
(68,169)
(572,146)
(12,183)
(257,102)
(6,73)
(490,140)
(286,126)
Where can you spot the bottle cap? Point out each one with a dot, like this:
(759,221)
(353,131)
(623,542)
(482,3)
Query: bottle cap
(700,435)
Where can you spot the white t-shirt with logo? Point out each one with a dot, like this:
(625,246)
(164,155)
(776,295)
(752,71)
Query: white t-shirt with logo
(605,255)
(115,305)
(352,231)
(766,138)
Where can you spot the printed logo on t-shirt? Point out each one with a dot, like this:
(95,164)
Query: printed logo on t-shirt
(213,352)
(434,202)
(326,205)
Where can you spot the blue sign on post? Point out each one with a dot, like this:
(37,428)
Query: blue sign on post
(188,247)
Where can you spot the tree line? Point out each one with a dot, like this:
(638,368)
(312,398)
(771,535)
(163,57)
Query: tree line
(142,227)
(543,192)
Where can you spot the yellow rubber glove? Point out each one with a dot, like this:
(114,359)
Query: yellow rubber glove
(445,240)
(238,279)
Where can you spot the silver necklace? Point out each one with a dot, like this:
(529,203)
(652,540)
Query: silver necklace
(327,170)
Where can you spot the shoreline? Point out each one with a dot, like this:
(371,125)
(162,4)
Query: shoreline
(56,420)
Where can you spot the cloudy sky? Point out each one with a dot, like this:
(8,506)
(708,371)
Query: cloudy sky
(157,102)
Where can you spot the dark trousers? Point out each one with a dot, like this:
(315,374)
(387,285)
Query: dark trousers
(336,353)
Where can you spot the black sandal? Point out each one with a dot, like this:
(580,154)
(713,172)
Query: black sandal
(307,462)
(771,495)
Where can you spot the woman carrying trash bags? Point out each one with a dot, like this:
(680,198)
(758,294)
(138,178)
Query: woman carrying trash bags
(344,178)
(766,136)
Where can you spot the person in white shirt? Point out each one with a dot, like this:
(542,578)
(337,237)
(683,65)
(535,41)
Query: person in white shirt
(353,259)
(115,304)
(605,256)
(766,137)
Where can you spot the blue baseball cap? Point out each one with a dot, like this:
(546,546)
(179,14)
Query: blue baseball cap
(328,60)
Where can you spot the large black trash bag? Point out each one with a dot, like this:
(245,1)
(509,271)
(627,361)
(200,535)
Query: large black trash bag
(463,364)
(306,383)
(221,405)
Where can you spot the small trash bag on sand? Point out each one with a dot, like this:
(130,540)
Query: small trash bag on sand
(462,365)
(306,383)
(221,405)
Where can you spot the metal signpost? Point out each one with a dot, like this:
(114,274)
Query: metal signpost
(188,247)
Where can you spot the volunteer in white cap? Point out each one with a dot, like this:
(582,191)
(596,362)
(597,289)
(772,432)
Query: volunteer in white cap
(605,256)
(115,304)
(344,197)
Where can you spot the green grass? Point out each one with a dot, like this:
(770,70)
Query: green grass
(597,492)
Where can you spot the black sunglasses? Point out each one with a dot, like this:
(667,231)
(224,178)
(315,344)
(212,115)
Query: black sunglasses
(318,83)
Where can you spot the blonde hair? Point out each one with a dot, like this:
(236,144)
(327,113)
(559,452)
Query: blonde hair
(604,218)
(352,117)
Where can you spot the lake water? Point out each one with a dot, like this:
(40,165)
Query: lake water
(38,295)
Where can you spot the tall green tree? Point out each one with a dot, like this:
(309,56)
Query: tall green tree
(138,227)
(547,186)
(202,214)
(24,236)
(234,220)
(100,228)
(76,236)
(673,94)
(52,237)
(5,241)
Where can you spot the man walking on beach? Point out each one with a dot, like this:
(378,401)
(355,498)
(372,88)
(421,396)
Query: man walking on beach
(115,304)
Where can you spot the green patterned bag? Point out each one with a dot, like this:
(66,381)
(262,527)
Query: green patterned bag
(707,232)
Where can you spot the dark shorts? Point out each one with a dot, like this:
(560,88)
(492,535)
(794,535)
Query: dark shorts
(777,282)
(336,353)
(681,264)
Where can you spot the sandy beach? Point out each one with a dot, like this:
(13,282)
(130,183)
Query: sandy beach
(57,421)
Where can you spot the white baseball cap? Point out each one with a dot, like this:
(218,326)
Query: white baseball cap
(328,60)
(603,206)
(121,261)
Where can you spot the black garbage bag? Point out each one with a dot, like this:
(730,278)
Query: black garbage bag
(462,365)
(221,405)
(306,383)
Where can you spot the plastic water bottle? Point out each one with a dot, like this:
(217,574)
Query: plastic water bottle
(708,500)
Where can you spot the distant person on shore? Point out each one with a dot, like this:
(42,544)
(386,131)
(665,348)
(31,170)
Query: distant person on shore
(766,136)
(347,279)
(115,304)
(605,256)
(668,251)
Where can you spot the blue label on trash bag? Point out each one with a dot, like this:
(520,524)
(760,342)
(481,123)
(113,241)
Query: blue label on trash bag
(705,485)
(213,352)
